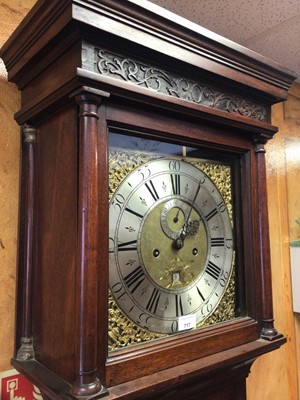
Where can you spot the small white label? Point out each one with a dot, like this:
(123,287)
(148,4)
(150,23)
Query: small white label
(186,322)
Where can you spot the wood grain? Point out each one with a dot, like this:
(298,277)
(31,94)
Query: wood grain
(69,298)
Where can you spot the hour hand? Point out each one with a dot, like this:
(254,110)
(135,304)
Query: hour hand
(191,227)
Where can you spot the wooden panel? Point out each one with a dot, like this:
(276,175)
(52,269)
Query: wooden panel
(56,211)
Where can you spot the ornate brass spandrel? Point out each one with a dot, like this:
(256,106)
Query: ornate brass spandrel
(121,163)
(122,332)
(220,174)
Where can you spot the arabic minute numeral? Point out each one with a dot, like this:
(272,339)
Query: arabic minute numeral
(143,320)
(144,172)
(224,278)
(118,290)
(174,165)
(207,308)
(111,245)
(222,207)
(174,326)
(118,202)
(229,243)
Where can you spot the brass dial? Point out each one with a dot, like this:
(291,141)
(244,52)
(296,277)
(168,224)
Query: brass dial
(170,245)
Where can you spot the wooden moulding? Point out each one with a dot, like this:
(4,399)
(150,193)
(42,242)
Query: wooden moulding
(180,377)
(86,361)
(151,27)
(85,67)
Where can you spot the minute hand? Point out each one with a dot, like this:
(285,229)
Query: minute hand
(192,206)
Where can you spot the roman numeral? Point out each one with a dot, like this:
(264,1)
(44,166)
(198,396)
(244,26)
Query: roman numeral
(152,190)
(127,246)
(134,279)
(216,242)
(179,308)
(213,270)
(175,183)
(211,214)
(134,213)
(200,294)
(153,301)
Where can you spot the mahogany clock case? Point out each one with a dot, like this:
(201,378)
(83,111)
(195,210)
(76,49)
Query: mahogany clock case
(56,219)
(91,69)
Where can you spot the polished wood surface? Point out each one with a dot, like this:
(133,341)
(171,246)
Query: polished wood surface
(268,330)
(54,281)
(72,102)
(86,361)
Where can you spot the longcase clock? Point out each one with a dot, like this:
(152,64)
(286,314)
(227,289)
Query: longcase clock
(144,262)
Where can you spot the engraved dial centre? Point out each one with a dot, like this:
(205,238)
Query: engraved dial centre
(167,266)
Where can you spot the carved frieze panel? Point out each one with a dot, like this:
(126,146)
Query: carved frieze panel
(127,69)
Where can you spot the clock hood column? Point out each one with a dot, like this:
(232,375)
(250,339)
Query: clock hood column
(26,350)
(87,383)
(268,331)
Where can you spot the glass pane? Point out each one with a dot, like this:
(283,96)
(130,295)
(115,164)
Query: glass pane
(171,256)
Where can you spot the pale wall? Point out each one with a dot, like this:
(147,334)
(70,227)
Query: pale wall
(273,376)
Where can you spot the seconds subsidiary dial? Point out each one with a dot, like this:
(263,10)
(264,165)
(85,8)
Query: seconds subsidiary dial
(171,246)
